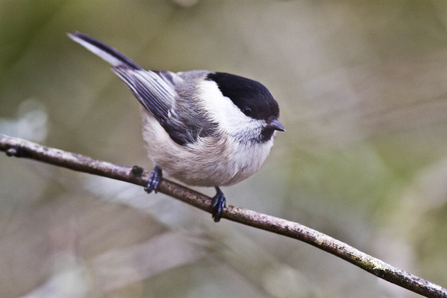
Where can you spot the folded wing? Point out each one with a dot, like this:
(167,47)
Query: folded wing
(156,91)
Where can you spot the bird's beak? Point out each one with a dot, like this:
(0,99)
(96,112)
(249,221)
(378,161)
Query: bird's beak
(276,125)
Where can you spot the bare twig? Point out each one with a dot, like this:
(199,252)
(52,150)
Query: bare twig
(136,175)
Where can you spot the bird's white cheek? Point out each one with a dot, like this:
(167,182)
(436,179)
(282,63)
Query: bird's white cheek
(223,111)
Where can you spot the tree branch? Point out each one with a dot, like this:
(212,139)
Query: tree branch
(136,175)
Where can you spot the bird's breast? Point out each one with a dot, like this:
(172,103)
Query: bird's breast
(216,160)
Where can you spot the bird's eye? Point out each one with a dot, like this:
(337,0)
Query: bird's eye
(247,111)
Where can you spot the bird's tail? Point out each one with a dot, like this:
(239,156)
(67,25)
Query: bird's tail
(104,51)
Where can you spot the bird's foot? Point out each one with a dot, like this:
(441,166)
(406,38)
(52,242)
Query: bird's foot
(154,180)
(218,202)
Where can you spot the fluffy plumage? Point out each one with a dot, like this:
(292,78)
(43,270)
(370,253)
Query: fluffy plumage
(201,127)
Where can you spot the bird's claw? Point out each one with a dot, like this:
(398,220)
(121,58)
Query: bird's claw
(218,203)
(154,180)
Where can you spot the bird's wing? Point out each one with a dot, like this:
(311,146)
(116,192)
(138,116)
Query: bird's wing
(150,89)
(156,91)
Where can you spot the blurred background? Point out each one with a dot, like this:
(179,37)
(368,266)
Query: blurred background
(363,96)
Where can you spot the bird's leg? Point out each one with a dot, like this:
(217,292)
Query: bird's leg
(218,202)
(154,180)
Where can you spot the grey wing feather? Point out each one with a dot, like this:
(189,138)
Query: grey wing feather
(152,92)
(155,90)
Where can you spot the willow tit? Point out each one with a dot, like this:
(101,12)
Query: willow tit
(203,128)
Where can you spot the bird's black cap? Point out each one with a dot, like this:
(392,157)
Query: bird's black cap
(250,96)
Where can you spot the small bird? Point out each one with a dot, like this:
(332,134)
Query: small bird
(203,128)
